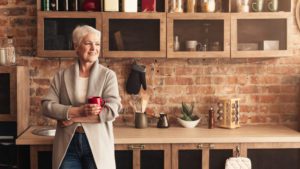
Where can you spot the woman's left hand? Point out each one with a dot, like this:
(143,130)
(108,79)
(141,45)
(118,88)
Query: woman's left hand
(91,109)
(65,123)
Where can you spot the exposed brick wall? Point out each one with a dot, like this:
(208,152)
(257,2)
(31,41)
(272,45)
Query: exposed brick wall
(268,88)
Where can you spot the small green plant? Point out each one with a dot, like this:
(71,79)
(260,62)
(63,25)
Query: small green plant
(187,112)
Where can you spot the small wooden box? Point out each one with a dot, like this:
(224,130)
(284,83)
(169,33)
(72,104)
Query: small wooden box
(228,113)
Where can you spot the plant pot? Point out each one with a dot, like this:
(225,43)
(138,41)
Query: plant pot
(188,124)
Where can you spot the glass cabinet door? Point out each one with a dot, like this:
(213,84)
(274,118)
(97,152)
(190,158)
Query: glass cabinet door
(198,35)
(55,31)
(260,35)
(131,35)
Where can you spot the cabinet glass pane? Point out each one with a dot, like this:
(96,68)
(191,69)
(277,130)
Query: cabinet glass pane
(262,34)
(190,159)
(209,34)
(44,160)
(124,159)
(275,158)
(217,158)
(4,93)
(58,31)
(8,129)
(134,35)
(152,159)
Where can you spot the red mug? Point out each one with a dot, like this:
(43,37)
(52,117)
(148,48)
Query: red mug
(96,100)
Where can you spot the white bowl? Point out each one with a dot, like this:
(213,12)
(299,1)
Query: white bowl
(188,124)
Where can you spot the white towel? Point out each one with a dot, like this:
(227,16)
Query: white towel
(238,163)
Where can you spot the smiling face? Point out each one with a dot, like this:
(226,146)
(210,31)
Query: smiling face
(89,48)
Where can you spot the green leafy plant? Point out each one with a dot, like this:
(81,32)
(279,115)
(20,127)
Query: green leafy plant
(187,112)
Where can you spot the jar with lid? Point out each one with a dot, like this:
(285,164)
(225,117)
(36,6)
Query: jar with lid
(2,56)
(208,5)
(215,46)
(10,52)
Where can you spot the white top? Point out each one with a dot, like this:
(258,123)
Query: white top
(81,89)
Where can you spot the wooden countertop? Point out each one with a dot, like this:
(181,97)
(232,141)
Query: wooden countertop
(130,135)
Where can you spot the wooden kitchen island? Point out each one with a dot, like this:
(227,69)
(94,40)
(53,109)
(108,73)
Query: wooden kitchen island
(177,147)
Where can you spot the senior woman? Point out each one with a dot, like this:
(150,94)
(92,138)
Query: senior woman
(84,132)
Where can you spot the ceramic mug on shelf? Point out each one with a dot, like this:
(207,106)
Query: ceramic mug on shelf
(273,5)
(191,45)
(258,5)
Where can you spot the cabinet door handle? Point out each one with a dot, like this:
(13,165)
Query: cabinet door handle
(200,146)
(140,147)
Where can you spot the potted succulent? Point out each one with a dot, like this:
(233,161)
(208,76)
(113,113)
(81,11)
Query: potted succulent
(188,119)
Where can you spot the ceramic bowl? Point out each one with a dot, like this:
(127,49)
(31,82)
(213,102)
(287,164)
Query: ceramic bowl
(188,124)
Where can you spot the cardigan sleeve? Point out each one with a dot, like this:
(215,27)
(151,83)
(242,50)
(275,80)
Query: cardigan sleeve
(112,98)
(51,105)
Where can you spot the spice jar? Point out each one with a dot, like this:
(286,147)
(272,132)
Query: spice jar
(215,46)
(10,52)
(208,5)
(191,6)
(2,56)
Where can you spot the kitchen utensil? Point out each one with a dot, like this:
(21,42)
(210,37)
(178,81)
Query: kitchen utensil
(162,121)
(140,120)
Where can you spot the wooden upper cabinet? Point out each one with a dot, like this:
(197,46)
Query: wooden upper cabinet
(55,31)
(198,35)
(130,35)
(260,35)
(14,98)
(227,32)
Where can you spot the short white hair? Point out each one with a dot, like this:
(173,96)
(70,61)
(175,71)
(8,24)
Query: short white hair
(81,31)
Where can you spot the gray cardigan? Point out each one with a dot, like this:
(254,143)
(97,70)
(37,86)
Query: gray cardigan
(102,82)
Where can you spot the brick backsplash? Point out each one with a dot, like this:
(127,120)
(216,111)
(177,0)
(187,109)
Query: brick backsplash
(268,88)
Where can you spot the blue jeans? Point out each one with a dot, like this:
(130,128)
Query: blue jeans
(79,154)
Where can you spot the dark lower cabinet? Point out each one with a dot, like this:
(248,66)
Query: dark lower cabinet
(190,159)
(152,159)
(274,158)
(143,156)
(124,159)
(217,158)
(44,160)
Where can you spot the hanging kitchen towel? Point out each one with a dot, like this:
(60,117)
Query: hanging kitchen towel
(136,78)
(238,163)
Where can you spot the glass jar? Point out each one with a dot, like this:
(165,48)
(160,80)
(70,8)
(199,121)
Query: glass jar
(208,5)
(10,52)
(191,6)
(2,56)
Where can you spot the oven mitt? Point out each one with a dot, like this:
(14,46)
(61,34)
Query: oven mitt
(136,78)
(238,163)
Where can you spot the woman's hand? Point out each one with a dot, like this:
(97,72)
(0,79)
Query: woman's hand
(91,109)
(65,123)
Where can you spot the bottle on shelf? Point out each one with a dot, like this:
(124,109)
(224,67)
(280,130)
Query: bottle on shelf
(178,6)
(176,44)
(46,5)
(10,51)
(191,6)
(2,56)
(211,118)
